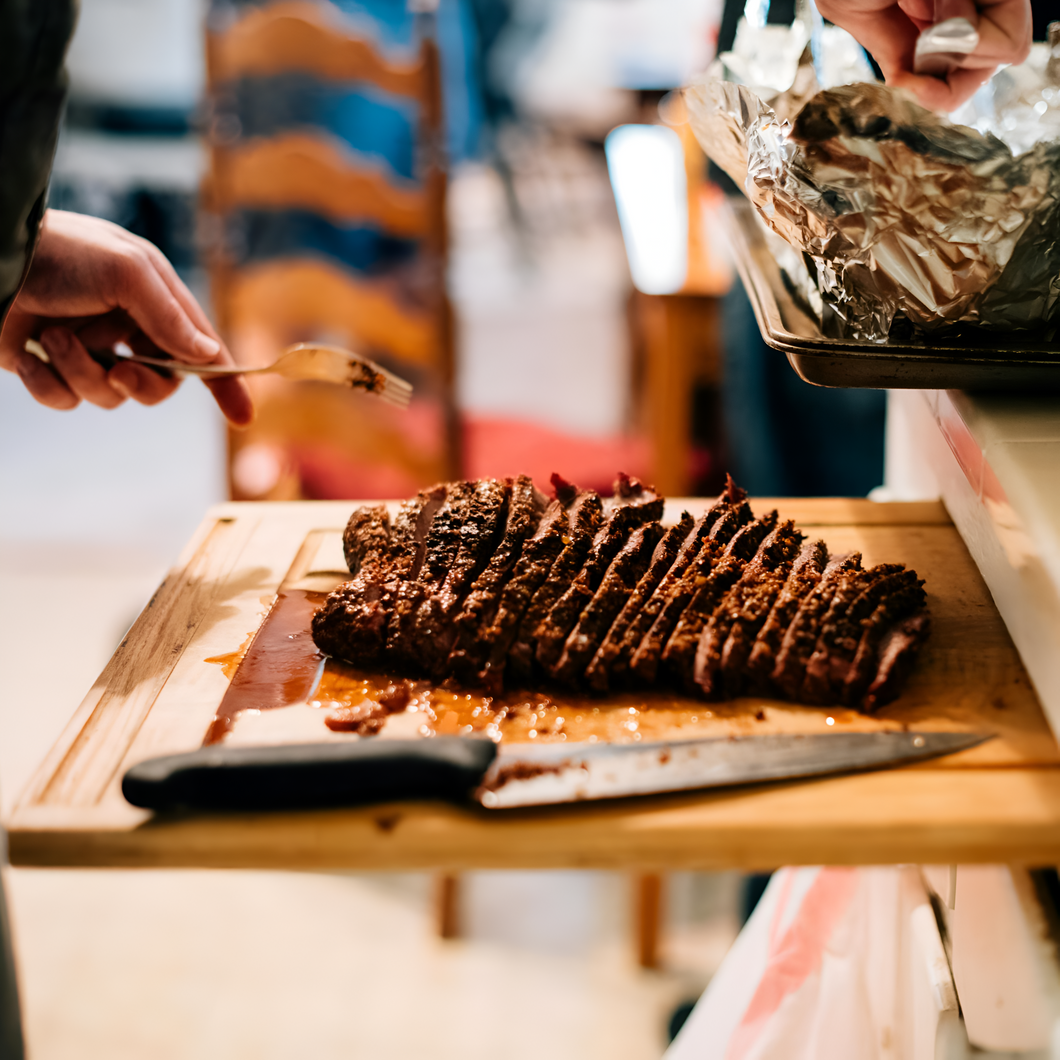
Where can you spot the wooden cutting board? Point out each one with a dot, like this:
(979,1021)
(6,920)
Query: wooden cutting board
(159,695)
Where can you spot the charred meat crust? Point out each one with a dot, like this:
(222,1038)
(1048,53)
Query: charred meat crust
(679,655)
(730,633)
(799,640)
(595,619)
(480,532)
(537,559)
(805,573)
(642,622)
(367,534)
(663,560)
(440,550)
(903,598)
(480,535)
(631,505)
(586,516)
(525,510)
(731,519)
(473,582)
(855,599)
(354,621)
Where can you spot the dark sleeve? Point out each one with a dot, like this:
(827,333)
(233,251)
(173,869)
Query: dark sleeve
(33,39)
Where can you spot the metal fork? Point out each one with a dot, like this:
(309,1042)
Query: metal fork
(303,360)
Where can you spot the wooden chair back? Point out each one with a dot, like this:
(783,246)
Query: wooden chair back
(404,319)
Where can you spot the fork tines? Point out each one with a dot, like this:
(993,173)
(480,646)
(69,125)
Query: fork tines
(383,384)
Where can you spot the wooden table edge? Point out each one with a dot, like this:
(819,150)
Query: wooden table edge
(969,816)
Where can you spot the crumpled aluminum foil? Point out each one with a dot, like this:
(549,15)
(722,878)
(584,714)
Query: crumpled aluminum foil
(897,212)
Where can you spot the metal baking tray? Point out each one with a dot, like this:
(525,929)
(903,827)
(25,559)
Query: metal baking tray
(1006,365)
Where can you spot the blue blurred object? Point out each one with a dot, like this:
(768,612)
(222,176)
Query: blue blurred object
(377,125)
(380,129)
(258,235)
(784,437)
(396,30)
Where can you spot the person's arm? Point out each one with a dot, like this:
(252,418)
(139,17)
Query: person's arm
(78,283)
(888,30)
(33,39)
(90,285)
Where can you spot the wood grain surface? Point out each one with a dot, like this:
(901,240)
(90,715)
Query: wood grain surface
(997,802)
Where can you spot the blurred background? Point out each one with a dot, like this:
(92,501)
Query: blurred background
(500,200)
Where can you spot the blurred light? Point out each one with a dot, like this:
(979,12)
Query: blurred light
(647,168)
(756,12)
(257,468)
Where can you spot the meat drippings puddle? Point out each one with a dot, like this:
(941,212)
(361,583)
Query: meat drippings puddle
(280,693)
(348,702)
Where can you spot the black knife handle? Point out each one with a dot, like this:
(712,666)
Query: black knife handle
(299,776)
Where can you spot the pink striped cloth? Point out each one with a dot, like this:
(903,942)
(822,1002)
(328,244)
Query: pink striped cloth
(793,987)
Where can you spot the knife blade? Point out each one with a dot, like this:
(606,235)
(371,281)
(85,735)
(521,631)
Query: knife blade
(459,769)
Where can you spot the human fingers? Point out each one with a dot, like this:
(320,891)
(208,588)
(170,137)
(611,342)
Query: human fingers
(232,394)
(84,376)
(924,13)
(103,332)
(141,383)
(884,30)
(43,383)
(1005,32)
(138,287)
(942,96)
(1004,28)
(233,399)
(191,305)
(178,287)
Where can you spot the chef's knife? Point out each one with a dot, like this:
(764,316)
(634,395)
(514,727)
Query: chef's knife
(455,769)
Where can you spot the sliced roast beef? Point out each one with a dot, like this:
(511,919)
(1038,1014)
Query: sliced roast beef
(366,537)
(614,591)
(539,555)
(526,508)
(726,640)
(586,517)
(647,618)
(805,574)
(856,597)
(478,581)
(354,620)
(483,524)
(664,560)
(732,519)
(801,636)
(679,655)
(757,603)
(631,505)
(441,550)
(897,653)
(896,601)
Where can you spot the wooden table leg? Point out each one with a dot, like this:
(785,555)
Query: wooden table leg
(447,905)
(647,911)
